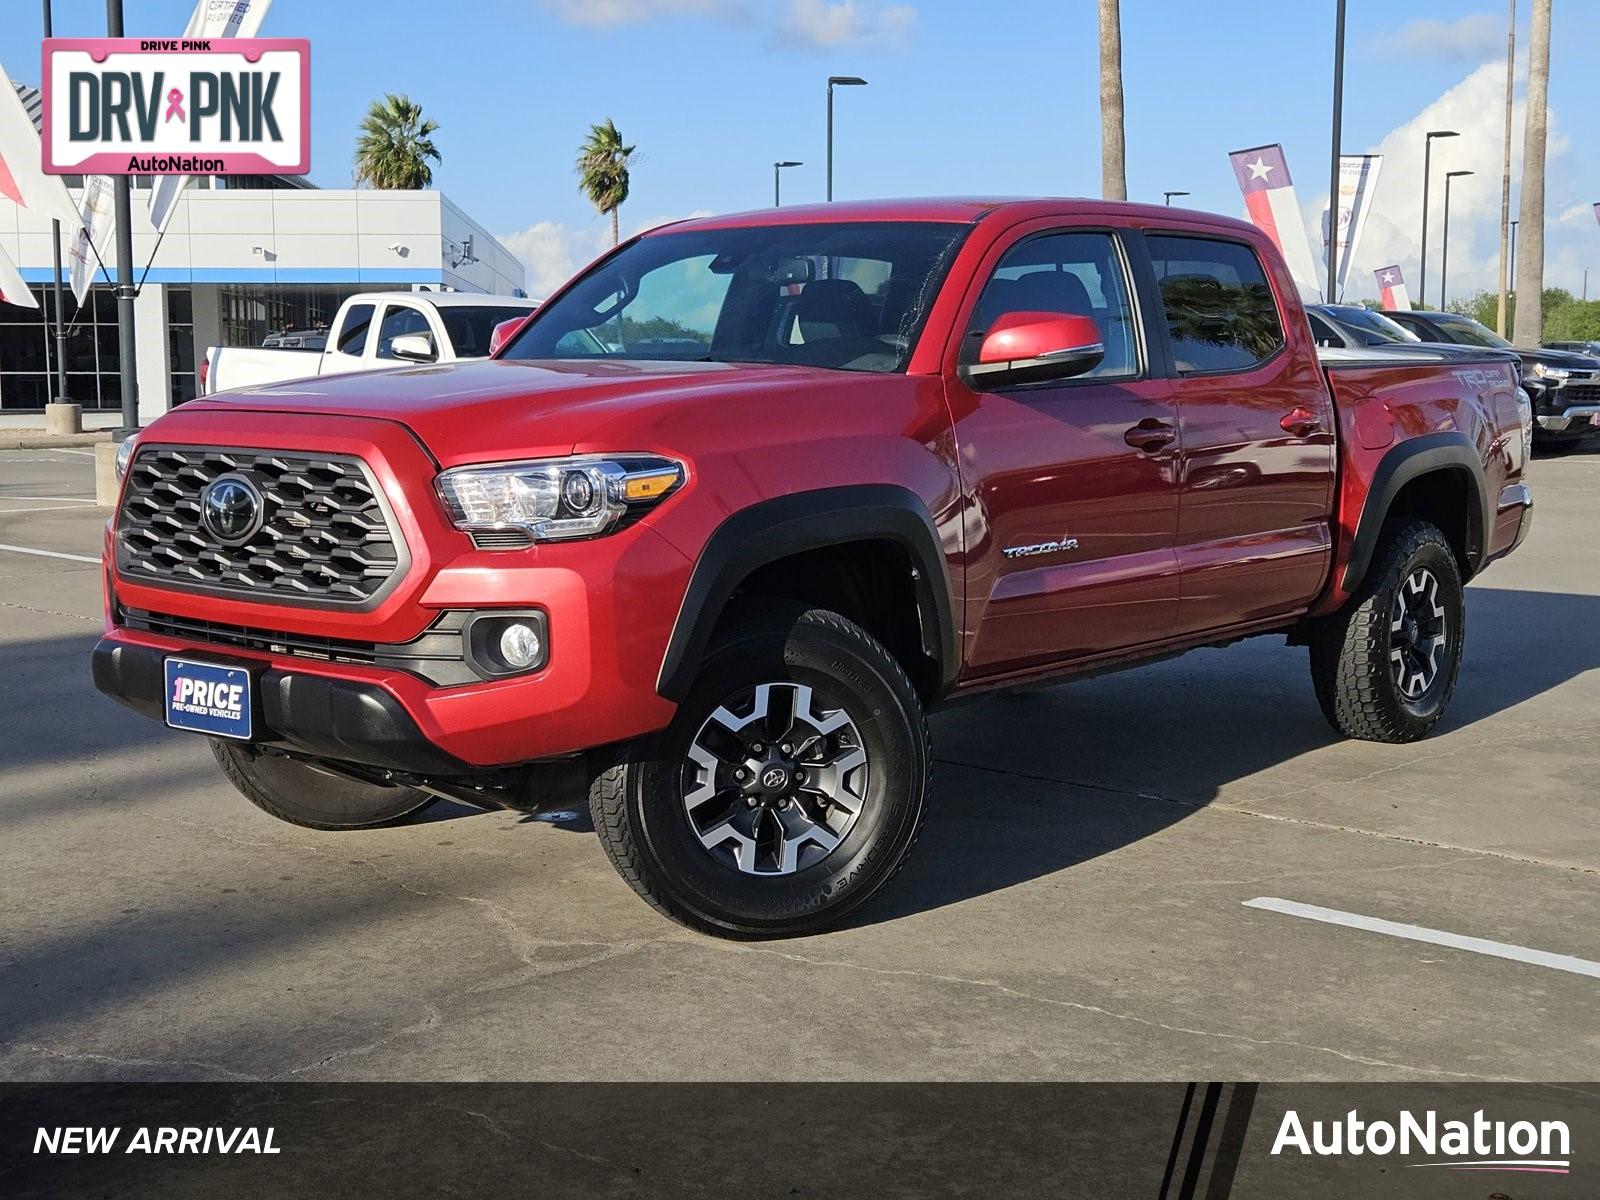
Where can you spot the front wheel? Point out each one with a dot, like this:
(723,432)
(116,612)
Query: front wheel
(788,789)
(1386,665)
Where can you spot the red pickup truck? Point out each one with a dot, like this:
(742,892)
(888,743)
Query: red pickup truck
(752,494)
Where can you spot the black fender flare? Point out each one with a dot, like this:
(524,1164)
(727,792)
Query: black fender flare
(793,524)
(1449,450)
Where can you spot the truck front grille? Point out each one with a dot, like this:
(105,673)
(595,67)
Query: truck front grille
(323,533)
(1581,393)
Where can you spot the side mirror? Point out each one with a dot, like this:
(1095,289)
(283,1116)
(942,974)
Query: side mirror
(1030,347)
(414,347)
(504,332)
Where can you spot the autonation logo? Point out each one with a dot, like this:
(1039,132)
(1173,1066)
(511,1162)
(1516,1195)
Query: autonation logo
(1478,1144)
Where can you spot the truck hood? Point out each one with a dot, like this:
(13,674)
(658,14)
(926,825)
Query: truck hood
(472,411)
(1567,360)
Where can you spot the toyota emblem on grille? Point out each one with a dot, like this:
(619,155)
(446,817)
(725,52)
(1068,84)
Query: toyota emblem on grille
(231,509)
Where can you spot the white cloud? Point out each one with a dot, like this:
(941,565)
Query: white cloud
(1578,212)
(631,12)
(552,252)
(1476,35)
(826,24)
(823,24)
(1475,108)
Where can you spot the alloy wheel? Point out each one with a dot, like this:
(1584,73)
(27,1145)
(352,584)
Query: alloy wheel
(775,778)
(1418,630)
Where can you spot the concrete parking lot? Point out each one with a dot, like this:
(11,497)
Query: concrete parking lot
(1076,909)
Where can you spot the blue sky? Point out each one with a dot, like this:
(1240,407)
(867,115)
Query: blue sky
(963,98)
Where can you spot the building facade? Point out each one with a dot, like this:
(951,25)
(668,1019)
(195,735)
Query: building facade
(243,258)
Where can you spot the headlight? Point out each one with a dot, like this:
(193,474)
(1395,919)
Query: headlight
(124,456)
(559,498)
(1544,372)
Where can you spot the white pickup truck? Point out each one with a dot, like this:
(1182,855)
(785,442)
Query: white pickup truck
(371,331)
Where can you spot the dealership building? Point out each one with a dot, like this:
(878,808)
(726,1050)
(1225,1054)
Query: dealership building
(244,257)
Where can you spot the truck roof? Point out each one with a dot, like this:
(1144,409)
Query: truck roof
(450,299)
(960,209)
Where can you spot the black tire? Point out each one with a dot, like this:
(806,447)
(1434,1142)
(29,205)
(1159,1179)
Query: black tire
(1352,664)
(637,797)
(301,794)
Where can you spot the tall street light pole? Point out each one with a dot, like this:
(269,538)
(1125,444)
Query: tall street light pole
(1427,175)
(1444,252)
(1170,195)
(1505,171)
(833,82)
(777,191)
(1513,258)
(1333,154)
(124,216)
(55,250)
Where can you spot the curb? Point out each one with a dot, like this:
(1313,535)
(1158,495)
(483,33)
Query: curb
(46,441)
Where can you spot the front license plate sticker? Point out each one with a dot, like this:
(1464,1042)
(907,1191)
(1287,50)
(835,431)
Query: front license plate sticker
(208,698)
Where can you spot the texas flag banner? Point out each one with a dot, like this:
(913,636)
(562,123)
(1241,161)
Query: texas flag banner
(1392,288)
(1263,176)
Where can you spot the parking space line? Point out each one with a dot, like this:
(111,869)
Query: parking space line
(66,499)
(12,512)
(63,450)
(49,553)
(1436,937)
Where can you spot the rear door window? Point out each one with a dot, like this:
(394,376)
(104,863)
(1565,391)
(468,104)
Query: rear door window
(353,333)
(1220,310)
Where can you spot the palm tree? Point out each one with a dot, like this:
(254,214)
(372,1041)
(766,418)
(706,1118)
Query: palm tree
(1113,150)
(396,145)
(603,170)
(1529,324)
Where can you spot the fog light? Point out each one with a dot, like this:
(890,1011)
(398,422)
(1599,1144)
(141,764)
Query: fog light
(519,646)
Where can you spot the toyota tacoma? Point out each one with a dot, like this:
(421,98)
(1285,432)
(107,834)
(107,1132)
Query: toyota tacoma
(747,498)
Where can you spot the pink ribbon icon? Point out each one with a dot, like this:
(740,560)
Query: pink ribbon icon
(175,105)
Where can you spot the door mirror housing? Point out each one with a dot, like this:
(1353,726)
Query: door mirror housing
(1033,347)
(504,332)
(414,347)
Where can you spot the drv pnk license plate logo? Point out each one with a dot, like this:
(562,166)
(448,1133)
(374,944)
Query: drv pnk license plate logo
(208,698)
(170,106)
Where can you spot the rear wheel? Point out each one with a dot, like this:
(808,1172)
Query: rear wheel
(302,793)
(1386,665)
(788,789)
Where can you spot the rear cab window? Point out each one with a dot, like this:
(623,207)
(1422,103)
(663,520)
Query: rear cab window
(1220,310)
(352,339)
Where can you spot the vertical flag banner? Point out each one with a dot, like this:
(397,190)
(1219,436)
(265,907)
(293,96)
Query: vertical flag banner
(95,224)
(12,289)
(1358,179)
(210,19)
(24,183)
(1597,212)
(22,178)
(1392,288)
(1269,197)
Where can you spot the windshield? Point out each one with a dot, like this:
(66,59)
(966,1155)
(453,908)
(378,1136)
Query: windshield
(469,325)
(850,296)
(1465,331)
(1376,324)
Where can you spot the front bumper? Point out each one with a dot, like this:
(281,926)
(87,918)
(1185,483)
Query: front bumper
(1569,420)
(343,719)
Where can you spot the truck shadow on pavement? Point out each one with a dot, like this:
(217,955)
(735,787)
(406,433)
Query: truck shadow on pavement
(1030,784)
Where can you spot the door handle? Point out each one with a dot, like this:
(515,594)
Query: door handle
(1150,434)
(1301,421)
